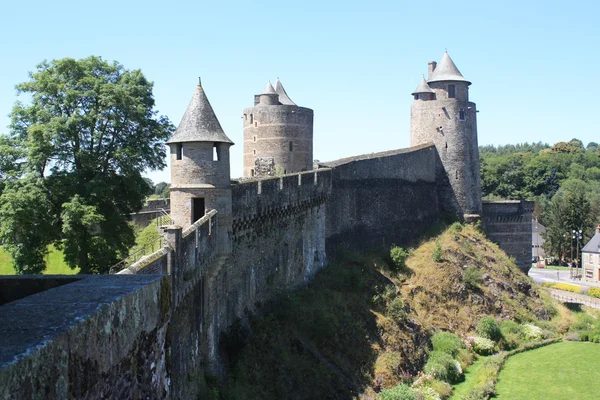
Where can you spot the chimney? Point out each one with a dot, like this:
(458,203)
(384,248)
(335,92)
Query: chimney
(430,68)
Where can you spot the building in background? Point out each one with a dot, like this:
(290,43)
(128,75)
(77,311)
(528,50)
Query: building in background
(591,258)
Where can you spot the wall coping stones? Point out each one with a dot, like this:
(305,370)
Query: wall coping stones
(145,261)
(35,321)
(369,156)
(192,228)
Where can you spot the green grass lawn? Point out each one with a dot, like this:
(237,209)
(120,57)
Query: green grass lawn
(562,371)
(464,387)
(55,265)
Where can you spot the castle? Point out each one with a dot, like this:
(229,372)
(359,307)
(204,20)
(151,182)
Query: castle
(236,244)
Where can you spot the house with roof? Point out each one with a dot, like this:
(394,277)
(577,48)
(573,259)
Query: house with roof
(537,251)
(591,258)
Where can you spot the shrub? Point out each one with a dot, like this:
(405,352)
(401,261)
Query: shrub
(444,389)
(465,358)
(532,332)
(443,367)
(427,393)
(399,256)
(594,292)
(447,342)
(482,346)
(395,309)
(472,276)
(399,392)
(436,255)
(456,227)
(489,328)
(512,334)
(573,337)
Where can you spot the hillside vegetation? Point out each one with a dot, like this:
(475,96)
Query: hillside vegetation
(363,324)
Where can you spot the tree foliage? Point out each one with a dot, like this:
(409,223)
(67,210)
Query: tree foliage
(72,162)
(563,180)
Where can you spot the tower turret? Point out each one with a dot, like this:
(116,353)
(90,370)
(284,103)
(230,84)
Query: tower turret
(441,113)
(278,134)
(200,174)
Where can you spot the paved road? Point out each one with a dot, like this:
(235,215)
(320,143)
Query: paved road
(559,276)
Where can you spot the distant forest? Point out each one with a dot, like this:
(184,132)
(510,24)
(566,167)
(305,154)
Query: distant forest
(562,179)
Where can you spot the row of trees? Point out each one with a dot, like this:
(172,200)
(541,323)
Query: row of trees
(71,163)
(563,180)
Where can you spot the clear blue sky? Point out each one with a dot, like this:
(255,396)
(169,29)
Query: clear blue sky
(534,65)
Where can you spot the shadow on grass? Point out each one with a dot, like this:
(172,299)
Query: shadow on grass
(317,343)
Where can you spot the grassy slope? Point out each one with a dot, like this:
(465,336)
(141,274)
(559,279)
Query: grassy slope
(440,297)
(358,327)
(561,371)
(55,264)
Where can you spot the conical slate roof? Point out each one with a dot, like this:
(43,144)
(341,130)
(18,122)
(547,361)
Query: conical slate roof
(283,97)
(446,70)
(199,123)
(269,89)
(423,87)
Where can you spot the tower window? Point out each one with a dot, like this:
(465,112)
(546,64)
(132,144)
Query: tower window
(245,117)
(255,123)
(254,139)
(291,146)
(216,153)
(451,91)
(252,172)
(254,152)
(251,118)
(416,97)
(179,150)
(461,114)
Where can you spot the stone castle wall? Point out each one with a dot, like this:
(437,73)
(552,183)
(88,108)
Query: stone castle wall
(508,223)
(163,330)
(382,199)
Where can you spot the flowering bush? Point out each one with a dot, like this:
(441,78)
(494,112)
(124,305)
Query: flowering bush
(427,393)
(482,346)
(532,332)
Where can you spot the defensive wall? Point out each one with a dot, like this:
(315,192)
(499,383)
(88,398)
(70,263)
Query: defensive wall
(508,223)
(155,328)
(382,199)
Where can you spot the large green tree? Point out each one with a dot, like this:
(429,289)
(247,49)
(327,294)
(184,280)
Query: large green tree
(72,163)
(567,211)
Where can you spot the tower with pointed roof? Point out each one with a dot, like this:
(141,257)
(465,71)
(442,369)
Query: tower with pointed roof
(278,134)
(200,172)
(442,114)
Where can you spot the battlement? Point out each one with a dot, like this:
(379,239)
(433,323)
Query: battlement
(265,199)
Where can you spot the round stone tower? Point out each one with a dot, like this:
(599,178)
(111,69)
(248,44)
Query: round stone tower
(441,113)
(278,134)
(200,176)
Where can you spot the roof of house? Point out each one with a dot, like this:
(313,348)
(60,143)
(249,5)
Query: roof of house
(593,246)
(199,122)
